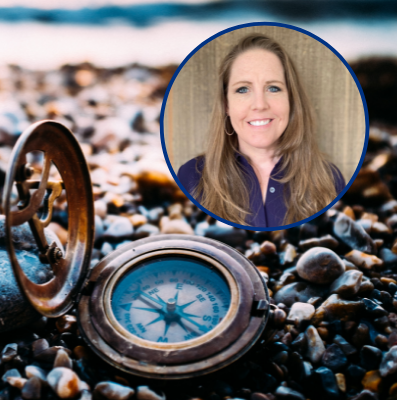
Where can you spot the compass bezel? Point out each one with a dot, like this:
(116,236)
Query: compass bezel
(233,336)
(116,278)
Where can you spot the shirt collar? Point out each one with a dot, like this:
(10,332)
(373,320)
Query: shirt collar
(243,161)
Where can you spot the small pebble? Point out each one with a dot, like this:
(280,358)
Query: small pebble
(32,389)
(64,382)
(286,393)
(327,381)
(389,362)
(370,357)
(320,265)
(347,284)
(11,373)
(66,323)
(346,347)
(316,347)
(363,260)
(372,380)
(113,391)
(352,234)
(35,371)
(120,227)
(337,308)
(62,360)
(334,358)
(9,352)
(17,382)
(145,393)
(341,382)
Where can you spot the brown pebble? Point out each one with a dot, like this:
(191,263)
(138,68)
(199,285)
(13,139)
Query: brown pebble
(393,389)
(39,345)
(263,269)
(145,393)
(289,255)
(372,380)
(386,281)
(369,216)
(349,212)
(138,220)
(48,355)
(341,382)
(268,248)
(363,260)
(361,335)
(32,389)
(16,381)
(115,391)
(66,323)
(279,317)
(335,307)
(64,382)
(394,247)
(175,211)
(323,332)
(80,352)
(62,360)
(366,286)
(382,341)
(320,265)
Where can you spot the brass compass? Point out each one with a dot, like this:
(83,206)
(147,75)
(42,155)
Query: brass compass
(164,307)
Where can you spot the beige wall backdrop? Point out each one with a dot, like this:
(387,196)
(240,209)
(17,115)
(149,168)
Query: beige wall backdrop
(329,85)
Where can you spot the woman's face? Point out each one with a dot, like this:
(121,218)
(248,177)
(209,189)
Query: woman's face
(258,100)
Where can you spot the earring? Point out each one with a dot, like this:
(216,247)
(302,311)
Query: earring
(229,134)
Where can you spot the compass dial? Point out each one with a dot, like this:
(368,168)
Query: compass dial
(171,299)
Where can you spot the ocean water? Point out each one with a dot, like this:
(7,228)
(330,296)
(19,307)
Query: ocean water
(42,34)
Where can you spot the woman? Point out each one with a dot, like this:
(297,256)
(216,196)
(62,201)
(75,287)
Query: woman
(262,166)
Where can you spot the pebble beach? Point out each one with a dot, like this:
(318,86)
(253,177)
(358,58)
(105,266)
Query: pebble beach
(332,329)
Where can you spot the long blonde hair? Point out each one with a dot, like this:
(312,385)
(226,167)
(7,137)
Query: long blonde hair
(308,178)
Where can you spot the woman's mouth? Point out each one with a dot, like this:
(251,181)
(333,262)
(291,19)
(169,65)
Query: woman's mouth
(260,122)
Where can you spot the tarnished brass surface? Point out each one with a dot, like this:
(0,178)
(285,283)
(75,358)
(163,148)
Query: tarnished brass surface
(59,146)
(236,333)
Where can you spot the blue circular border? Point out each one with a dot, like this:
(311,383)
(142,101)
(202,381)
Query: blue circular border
(233,28)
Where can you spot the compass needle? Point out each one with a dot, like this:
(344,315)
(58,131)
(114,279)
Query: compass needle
(187,304)
(154,310)
(160,318)
(167,325)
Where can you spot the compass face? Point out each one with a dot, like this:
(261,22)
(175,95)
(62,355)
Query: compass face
(171,299)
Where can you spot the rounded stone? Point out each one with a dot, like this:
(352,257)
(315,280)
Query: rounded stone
(347,284)
(15,310)
(32,389)
(299,292)
(145,393)
(320,265)
(334,358)
(114,391)
(389,362)
(64,382)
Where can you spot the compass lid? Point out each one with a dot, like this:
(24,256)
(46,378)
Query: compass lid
(61,148)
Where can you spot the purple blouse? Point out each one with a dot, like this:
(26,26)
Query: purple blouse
(270,214)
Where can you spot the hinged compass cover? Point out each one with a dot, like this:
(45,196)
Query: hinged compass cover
(60,147)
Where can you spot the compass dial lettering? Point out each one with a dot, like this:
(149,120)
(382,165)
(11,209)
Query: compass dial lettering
(171,299)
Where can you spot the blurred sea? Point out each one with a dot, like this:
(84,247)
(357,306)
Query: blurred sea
(42,34)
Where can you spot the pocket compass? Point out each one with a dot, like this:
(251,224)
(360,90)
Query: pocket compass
(163,307)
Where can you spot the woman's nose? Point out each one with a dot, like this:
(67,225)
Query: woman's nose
(260,100)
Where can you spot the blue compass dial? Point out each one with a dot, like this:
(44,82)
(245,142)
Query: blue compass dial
(171,299)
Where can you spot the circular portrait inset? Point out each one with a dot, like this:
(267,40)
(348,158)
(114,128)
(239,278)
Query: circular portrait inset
(264,126)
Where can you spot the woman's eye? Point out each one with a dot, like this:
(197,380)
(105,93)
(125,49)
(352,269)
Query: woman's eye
(274,89)
(242,89)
